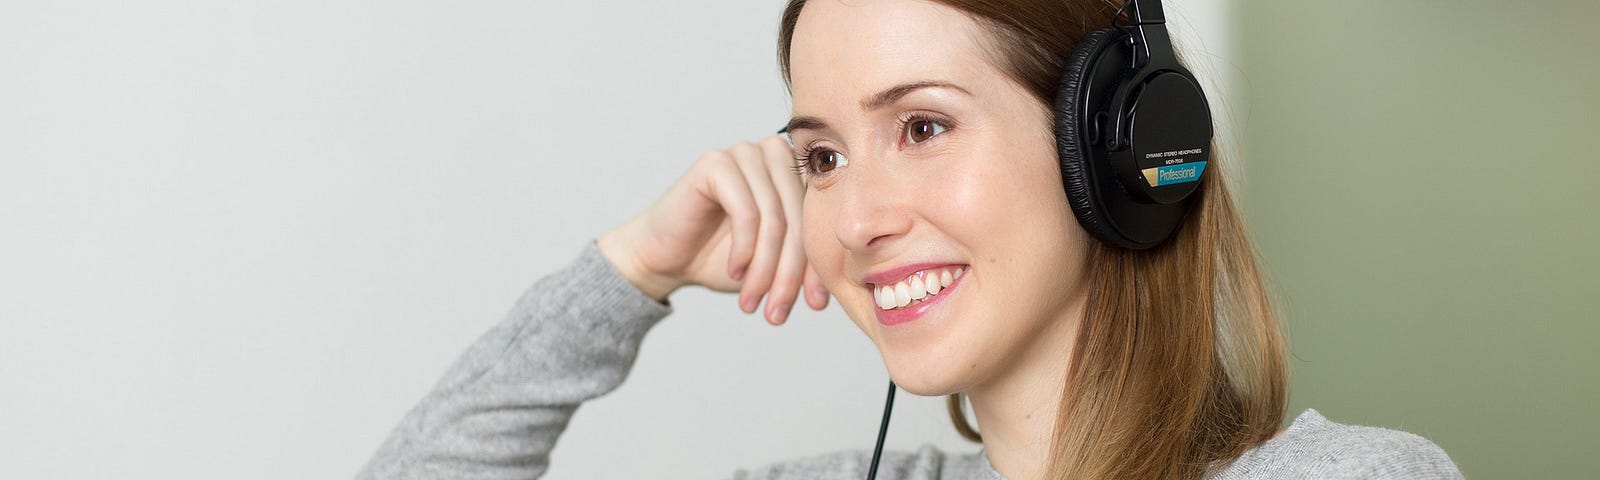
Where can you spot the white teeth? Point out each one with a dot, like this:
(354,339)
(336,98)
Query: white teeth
(917,287)
(885,298)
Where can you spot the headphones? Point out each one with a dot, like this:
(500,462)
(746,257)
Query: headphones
(1133,132)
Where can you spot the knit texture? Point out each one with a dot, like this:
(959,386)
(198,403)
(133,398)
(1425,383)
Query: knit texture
(573,336)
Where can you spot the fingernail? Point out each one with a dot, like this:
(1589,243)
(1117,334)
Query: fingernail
(738,274)
(747,305)
(782,314)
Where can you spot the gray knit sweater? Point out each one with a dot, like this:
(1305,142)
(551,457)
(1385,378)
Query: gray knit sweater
(573,336)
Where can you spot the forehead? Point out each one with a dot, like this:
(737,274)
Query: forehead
(843,50)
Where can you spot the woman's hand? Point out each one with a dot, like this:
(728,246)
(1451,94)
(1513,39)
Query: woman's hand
(732,223)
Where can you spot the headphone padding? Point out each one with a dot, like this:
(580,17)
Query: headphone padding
(1075,175)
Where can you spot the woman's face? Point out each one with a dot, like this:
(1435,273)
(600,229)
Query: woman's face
(922,156)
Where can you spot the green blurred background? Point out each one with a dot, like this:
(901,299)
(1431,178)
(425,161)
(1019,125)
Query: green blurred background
(1421,179)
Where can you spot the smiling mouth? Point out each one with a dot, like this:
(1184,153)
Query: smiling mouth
(916,288)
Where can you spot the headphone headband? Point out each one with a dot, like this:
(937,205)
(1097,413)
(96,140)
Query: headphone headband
(1152,53)
(1145,11)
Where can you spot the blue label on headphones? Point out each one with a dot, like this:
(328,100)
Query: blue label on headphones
(1173,174)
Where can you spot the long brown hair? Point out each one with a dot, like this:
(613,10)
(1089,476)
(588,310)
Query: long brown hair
(1179,364)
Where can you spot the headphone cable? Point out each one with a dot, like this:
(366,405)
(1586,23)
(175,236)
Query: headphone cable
(883,428)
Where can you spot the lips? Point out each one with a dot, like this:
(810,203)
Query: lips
(915,288)
(909,292)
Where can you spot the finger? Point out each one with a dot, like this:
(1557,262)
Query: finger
(728,188)
(816,294)
(792,261)
(780,157)
(787,282)
(770,235)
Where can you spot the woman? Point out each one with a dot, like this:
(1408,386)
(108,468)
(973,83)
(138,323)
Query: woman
(930,203)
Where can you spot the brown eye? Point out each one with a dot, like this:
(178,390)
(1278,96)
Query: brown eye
(826,160)
(918,131)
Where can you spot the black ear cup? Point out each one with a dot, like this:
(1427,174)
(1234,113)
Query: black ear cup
(1104,185)
(1075,172)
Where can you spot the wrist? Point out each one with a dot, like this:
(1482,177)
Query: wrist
(624,259)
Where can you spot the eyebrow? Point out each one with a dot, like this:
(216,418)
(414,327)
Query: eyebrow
(874,102)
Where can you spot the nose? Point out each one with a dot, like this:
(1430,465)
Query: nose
(874,209)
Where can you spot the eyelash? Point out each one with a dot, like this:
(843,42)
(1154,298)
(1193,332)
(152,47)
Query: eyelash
(802,161)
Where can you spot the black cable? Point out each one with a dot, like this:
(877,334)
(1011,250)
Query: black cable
(883,428)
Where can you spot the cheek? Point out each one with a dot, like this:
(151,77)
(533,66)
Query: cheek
(1011,213)
(1007,197)
(822,247)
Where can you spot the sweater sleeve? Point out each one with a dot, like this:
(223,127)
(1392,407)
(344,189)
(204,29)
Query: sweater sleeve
(927,463)
(498,411)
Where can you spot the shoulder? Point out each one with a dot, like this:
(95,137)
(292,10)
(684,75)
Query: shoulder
(1315,447)
(926,463)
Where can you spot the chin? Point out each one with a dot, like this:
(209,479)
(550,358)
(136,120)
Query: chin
(930,372)
(932,356)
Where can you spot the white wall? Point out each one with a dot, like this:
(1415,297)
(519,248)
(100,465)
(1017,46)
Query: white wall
(240,239)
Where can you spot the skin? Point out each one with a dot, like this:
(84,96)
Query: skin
(971,180)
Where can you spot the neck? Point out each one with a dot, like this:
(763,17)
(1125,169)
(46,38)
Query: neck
(1017,411)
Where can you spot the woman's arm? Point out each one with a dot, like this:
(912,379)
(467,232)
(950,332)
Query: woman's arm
(498,411)
(730,224)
